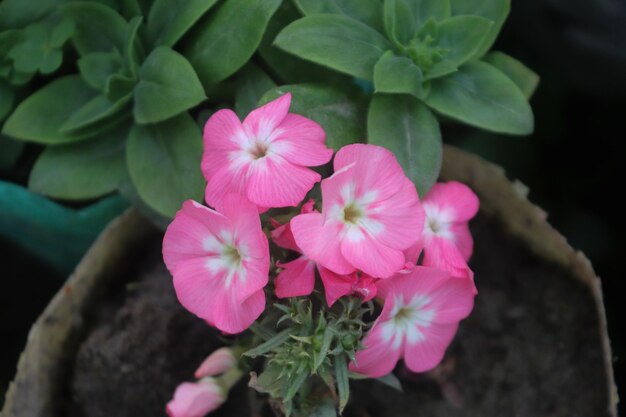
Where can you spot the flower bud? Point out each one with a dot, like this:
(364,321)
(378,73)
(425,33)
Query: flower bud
(216,363)
(196,399)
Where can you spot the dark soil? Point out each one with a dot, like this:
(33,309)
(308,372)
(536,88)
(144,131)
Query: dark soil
(530,349)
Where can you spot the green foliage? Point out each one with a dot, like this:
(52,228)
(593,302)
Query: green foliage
(252,84)
(335,41)
(493,10)
(167,86)
(98,27)
(406,127)
(169,20)
(482,96)
(398,74)
(525,78)
(340,114)
(164,163)
(219,47)
(84,170)
(7,95)
(366,11)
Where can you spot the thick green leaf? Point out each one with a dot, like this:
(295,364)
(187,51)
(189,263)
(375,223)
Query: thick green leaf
(118,86)
(84,170)
(482,96)
(40,117)
(526,79)
(169,20)
(98,27)
(494,10)
(10,152)
(168,86)
(343,383)
(460,37)
(16,14)
(226,39)
(133,52)
(335,41)
(405,126)
(164,163)
(7,95)
(403,18)
(289,68)
(398,75)
(96,67)
(252,84)
(98,111)
(366,11)
(340,114)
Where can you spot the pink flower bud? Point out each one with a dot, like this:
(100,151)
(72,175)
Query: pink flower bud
(196,399)
(216,363)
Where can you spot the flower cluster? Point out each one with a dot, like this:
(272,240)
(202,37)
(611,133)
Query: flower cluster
(371,239)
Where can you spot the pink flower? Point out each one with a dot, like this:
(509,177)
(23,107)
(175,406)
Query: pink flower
(196,399)
(371,213)
(297,277)
(265,158)
(220,262)
(216,363)
(447,240)
(420,317)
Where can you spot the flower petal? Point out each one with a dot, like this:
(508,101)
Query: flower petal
(229,179)
(463,239)
(443,254)
(216,363)
(223,133)
(261,122)
(296,279)
(233,316)
(246,226)
(275,182)
(457,197)
(301,141)
(335,285)
(366,253)
(320,242)
(379,356)
(195,399)
(430,349)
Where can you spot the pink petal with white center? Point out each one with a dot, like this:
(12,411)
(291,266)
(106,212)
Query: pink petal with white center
(216,363)
(452,300)
(223,133)
(443,254)
(296,279)
(375,167)
(246,225)
(379,357)
(335,285)
(320,243)
(275,182)
(456,196)
(196,399)
(301,141)
(233,316)
(428,352)
(262,121)
(186,236)
(227,180)
(463,239)
(370,256)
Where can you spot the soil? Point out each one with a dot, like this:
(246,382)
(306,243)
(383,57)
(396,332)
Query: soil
(530,349)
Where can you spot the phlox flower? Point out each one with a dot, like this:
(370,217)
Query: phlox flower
(196,399)
(446,241)
(371,213)
(219,261)
(420,316)
(216,363)
(265,158)
(297,278)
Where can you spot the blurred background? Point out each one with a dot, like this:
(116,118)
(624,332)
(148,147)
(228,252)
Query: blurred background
(571,164)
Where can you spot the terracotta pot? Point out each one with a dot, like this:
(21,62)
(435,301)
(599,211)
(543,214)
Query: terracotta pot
(54,339)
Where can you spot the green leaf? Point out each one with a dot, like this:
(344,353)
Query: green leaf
(97,67)
(164,163)
(460,37)
(118,86)
(327,339)
(289,68)
(252,83)
(526,79)
(133,51)
(169,20)
(482,96)
(399,75)
(220,46)
(10,152)
(340,114)
(405,126)
(494,10)
(40,116)
(391,381)
(343,383)
(16,14)
(98,27)
(366,11)
(403,18)
(294,384)
(7,95)
(269,345)
(168,86)
(98,111)
(84,170)
(335,41)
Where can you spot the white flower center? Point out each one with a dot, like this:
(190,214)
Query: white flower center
(438,221)
(407,320)
(355,213)
(225,256)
